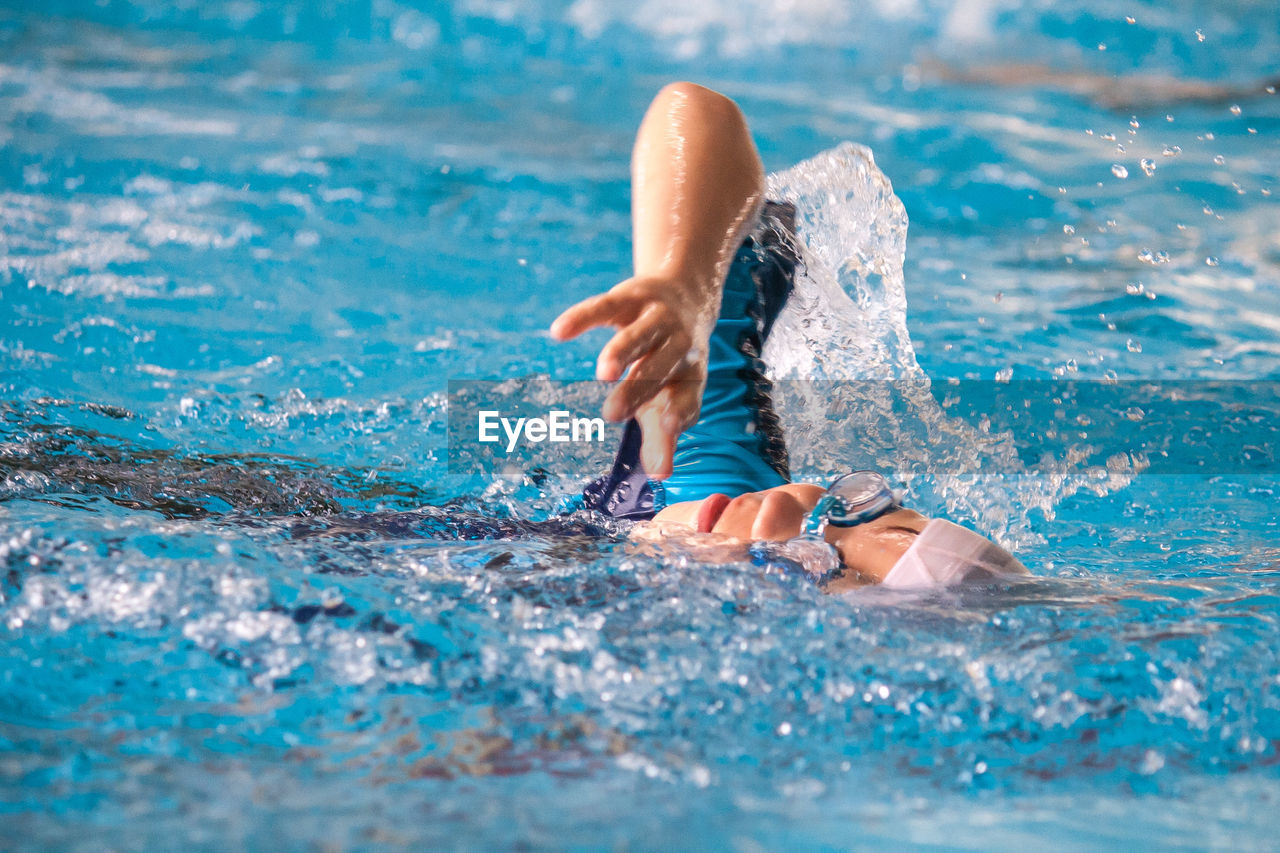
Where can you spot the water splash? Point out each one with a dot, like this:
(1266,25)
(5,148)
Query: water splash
(851,391)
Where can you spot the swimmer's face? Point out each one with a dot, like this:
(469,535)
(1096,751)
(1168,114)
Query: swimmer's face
(869,550)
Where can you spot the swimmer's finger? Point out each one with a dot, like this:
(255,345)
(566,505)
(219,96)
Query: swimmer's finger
(671,411)
(632,343)
(686,402)
(645,380)
(657,444)
(605,309)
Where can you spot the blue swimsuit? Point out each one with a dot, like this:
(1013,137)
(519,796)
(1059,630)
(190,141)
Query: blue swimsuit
(737,445)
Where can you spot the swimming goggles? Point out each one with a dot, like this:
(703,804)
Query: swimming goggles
(850,500)
(853,499)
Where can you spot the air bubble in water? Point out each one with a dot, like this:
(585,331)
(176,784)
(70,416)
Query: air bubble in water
(1200,35)
(1219,159)
(1148,166)
(1235,109)
(1133,346)
(1172,150)
(1119,171)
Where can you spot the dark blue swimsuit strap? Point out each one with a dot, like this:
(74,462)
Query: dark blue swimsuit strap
(737,444)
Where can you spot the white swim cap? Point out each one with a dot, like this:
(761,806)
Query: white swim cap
(945,554)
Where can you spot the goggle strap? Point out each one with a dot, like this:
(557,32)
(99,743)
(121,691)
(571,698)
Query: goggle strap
(816,523)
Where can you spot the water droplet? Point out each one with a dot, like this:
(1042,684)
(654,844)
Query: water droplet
(1119,171)
(1072,366)
(1211,261)
(1219,159)
(784,729)
(1133,346)
(1148,166)
(1068,229)
(1172,150)
(1235,109)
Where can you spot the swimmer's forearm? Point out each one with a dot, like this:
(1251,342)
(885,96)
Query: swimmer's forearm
(697,186)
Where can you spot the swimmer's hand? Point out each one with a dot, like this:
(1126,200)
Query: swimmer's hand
(697,184)
(661,346)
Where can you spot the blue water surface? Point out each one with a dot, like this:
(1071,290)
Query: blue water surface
(245,246)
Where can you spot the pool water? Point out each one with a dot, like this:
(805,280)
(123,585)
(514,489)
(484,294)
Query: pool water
(245,246)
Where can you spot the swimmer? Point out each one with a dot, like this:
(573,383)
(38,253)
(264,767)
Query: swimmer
(702,449)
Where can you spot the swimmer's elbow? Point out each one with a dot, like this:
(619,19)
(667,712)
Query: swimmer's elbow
(699,96)
(707,104)
(716,115)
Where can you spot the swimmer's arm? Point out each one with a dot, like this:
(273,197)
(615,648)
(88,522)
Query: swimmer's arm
(697,186)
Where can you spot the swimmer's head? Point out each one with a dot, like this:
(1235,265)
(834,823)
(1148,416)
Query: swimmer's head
(899,548)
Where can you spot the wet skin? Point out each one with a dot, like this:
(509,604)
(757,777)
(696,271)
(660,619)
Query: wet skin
(867,550)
